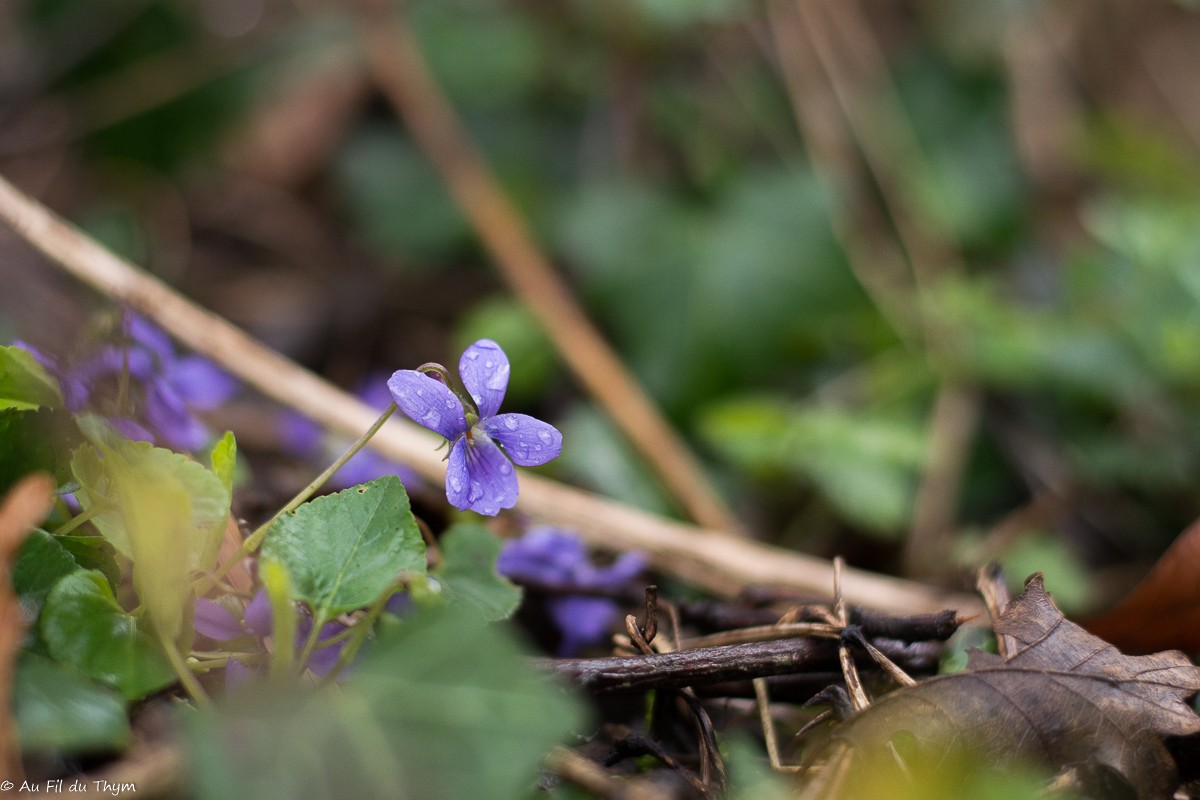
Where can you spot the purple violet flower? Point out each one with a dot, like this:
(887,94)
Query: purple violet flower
(215,621)
(479,475)
(173,386)
(548,555)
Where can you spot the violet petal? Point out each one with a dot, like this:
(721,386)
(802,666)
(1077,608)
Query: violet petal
(528,441)
(258,614)
(428,402)
(582,621)
(484,371)
(150,336)
(492,481)
(216,621)
(200,382)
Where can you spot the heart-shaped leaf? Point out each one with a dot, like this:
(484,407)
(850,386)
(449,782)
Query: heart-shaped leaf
(343,550)
(82,625)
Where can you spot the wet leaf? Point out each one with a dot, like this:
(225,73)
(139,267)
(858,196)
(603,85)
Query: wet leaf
(1064,699)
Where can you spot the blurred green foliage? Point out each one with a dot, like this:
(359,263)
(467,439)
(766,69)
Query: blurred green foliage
(654,149)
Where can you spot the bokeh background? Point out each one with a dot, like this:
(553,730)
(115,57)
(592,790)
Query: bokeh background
(919,282)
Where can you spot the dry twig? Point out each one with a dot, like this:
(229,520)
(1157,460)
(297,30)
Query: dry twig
(404,78)
(720,563)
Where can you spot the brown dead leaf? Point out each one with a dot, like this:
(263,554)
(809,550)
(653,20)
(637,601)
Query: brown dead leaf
(1065,700)
(1163,611)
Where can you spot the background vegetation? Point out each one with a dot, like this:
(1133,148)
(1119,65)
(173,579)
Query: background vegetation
(918,281)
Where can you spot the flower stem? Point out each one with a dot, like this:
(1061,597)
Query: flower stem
(359,632)
(190,684)
(77,520)
(252,542)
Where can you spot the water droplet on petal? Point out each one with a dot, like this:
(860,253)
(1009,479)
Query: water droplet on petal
(489,364)
(498,380)
(537,447)
(472,354)
(506,468)
(510,423)
(420,392)
(476,491)
(456,483)
(545,436)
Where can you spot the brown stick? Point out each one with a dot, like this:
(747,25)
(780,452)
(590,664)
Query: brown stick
(403,76)
(712,560)
(697,667)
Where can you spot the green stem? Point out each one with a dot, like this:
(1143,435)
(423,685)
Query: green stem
(77,520)
(190,684)
(252,542)
(359,634)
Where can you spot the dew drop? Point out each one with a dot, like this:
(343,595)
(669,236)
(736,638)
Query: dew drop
(498,380)
(510,423)
(476,491)
(489,364)
(456,483)
(472,354)
(506,468)
(545,437)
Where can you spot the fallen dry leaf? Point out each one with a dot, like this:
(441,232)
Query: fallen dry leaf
(1163,611)
(1065,700)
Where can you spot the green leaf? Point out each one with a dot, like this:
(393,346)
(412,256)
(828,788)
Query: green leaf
(162,510)
(468,573)
(59,710)
(224,460)
(35,441)
(443,707)
(41,562)
(864,463)
(82,625)
(394,199)
(94,552)
(24,383)
(343,550)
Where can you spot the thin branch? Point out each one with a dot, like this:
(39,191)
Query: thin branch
(697,667)
(712,560)
(402,74)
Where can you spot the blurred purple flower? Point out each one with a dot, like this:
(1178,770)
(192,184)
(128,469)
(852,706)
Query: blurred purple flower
(215,621)
(305,439)
(548,555)
(479,475)
(173,386)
